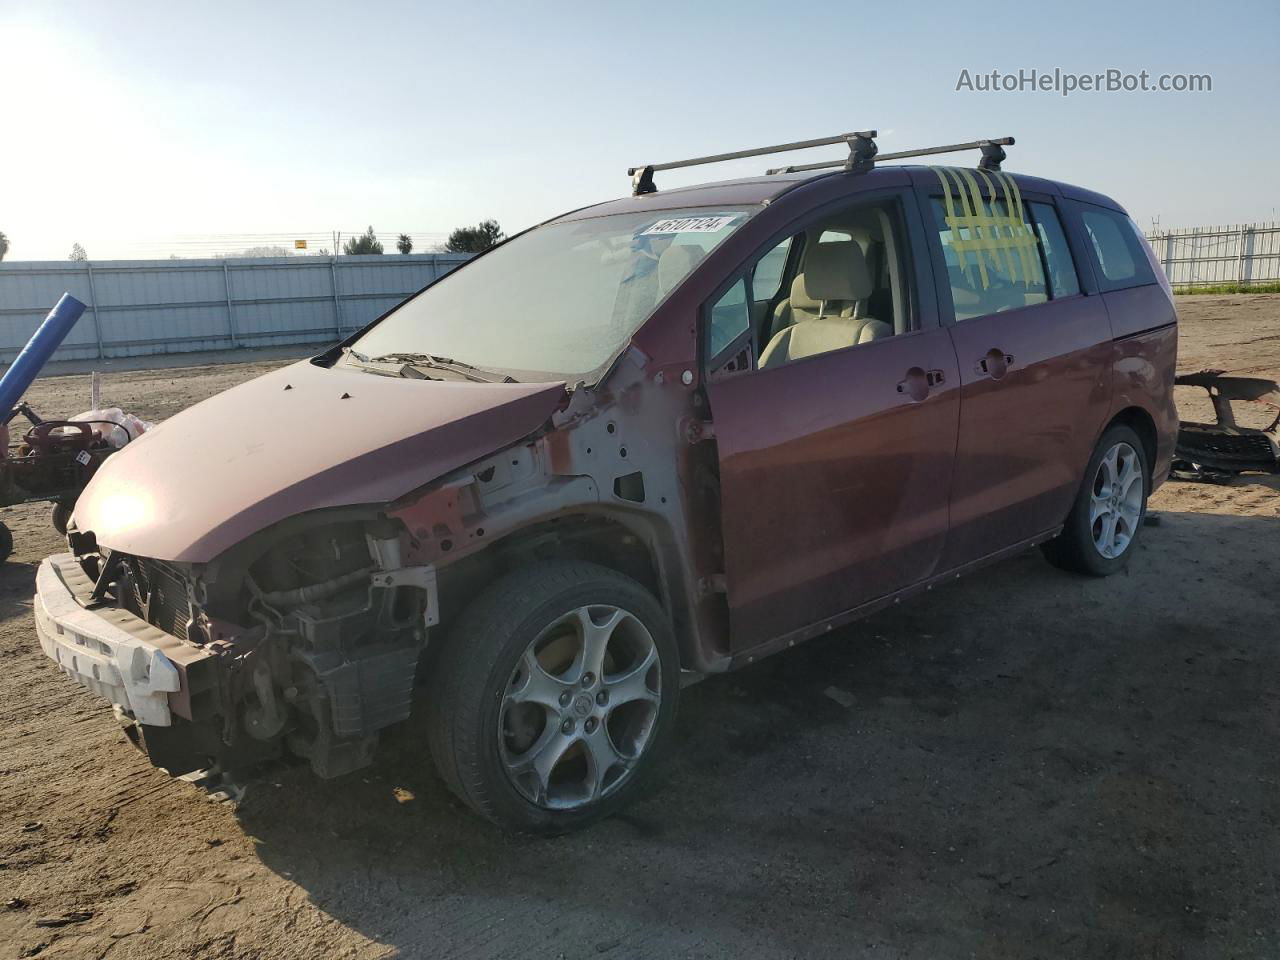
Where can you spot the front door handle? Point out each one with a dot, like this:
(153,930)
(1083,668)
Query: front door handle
(995,364)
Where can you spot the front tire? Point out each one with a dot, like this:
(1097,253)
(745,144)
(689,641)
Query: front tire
(61,517)
(1106,518)
(553,697)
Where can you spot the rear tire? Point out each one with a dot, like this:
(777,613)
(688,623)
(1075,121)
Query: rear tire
(1106,518)
(553,696)
(6,543)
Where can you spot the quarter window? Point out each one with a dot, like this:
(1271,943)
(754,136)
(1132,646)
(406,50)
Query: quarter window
(1117,245)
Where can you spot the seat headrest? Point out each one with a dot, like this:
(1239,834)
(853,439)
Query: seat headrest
(836,270)
(800,299)
(676,263)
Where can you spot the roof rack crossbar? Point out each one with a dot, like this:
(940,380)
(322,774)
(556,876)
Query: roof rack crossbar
(992,155)
(642,176)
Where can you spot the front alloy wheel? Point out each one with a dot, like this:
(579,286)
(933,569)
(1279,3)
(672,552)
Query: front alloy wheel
(580,707)
(553,695)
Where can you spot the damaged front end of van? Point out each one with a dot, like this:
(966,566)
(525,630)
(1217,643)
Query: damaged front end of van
(234,586)
(266,573)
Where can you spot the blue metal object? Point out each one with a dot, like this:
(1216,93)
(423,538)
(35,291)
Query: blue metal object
(28,364)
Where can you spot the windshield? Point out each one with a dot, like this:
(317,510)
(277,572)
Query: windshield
(559,301)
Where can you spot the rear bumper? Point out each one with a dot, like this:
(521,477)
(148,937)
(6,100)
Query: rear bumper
(111,652)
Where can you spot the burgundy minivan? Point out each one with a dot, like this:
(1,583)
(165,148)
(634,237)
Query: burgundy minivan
(652,439)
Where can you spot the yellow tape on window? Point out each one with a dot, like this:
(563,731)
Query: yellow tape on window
(999,241)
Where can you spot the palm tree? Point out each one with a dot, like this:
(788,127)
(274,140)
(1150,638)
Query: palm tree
(405,244)
(4,245)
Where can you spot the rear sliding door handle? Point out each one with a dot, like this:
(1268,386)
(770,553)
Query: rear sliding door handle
(995,364)
(918,383)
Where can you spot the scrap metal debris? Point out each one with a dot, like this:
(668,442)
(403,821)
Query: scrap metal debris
(1217,452)
(74,916)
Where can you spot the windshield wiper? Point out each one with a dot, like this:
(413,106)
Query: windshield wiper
(444,363)
(390,369)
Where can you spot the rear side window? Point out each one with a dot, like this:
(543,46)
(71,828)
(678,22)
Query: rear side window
(992,253)
(1117,249)
(1057,255)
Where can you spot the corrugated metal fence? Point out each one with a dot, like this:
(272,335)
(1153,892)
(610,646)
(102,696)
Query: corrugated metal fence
(139,307)
(1247,253)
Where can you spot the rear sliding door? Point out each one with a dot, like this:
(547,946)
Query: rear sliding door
(1034,354)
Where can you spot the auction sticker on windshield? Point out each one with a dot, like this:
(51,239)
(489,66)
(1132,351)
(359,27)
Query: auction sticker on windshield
(691,225)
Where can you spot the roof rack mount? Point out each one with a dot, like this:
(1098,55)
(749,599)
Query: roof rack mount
(992,155)
(863,154)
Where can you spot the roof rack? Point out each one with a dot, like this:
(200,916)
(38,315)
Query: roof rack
(859,143)
(863,154)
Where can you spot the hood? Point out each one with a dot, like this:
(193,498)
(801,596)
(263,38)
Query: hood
(302,438)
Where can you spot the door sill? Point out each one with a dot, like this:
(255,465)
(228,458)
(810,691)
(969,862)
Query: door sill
(795,637)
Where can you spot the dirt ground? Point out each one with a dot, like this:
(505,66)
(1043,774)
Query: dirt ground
(1024,764)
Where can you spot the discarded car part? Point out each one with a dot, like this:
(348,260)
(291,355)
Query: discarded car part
(1216,452)
(55,459)
(28,364)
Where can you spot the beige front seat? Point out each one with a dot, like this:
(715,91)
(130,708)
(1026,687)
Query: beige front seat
(823,308)
(676,263)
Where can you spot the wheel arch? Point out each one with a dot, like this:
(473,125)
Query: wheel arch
(630,543)
(1144,425)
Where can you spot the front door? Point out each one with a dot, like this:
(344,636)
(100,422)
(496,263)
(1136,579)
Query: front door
(836,445)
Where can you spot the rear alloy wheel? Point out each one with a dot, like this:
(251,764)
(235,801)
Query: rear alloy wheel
(1107,516)
(1116,501)
(553,695)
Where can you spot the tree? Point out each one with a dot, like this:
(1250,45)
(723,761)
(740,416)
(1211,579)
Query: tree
(367,242)
(269,250)
(4,245)
(404,244)
(77,253)
(475,239)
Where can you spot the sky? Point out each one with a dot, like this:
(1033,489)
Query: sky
(141,129)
